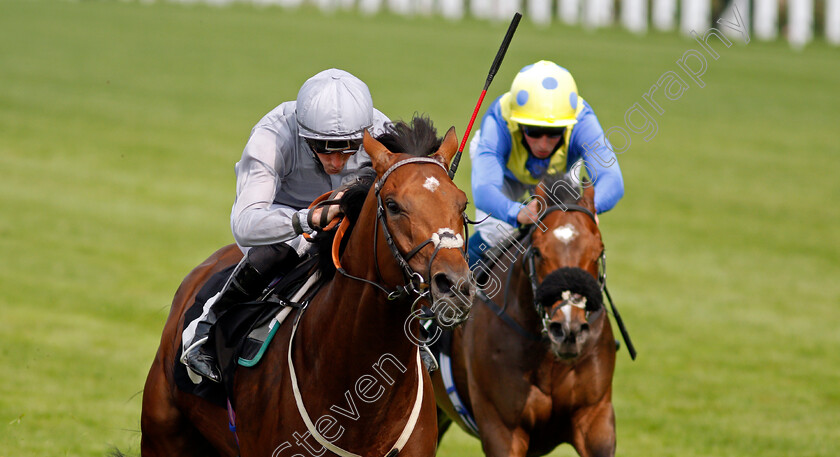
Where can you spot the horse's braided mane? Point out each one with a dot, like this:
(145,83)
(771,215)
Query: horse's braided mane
(572,279)
(562,187)
(417,138)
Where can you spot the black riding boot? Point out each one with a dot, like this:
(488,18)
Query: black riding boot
(246,283)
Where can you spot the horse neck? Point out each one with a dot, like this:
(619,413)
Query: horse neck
(351,336)
(357,314)
(520,290)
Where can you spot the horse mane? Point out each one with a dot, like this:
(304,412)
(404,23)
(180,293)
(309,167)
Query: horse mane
(574,280)
(562,188)
(417,137)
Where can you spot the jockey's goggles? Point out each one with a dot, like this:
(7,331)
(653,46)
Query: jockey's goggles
(537,132)
(347,147)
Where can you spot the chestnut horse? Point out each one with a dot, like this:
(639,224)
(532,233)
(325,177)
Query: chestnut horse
(344,375)
(534,377)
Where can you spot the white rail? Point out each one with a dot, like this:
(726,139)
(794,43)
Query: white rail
(761,17)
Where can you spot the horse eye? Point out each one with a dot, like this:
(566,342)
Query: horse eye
(392,206)
(537,253)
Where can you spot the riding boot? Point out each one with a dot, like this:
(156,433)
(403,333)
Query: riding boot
(244,284)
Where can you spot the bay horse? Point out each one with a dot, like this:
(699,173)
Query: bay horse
(344,378)
(535,377)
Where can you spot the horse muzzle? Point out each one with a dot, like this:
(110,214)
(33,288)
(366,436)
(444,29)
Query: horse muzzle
(567,338)
(453,294)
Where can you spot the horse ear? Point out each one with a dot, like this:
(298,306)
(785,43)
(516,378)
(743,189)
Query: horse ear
(380,156)
(448,147)
(588,199)
(540,190)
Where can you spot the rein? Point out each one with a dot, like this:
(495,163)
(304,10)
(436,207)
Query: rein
(529,267)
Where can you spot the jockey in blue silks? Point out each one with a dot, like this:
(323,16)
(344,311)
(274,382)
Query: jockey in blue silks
(540,126)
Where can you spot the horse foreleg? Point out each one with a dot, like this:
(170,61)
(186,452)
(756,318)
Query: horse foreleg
(594,431)
(502,442)
(443,424)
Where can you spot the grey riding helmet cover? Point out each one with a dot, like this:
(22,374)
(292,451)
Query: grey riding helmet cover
(334,105)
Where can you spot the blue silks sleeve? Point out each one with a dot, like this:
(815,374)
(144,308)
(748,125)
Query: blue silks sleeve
(588,142)
(489,161)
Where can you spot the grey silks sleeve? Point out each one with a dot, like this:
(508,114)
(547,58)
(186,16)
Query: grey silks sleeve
(255,219)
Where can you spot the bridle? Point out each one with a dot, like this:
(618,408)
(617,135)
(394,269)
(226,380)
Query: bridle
(529,265)
(415,283)
(529,262)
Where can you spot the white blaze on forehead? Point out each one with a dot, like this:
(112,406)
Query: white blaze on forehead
(446,238)
(567,312)
(566,233)
(431,183)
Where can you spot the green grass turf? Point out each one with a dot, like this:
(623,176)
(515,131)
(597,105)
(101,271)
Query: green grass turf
(120,124)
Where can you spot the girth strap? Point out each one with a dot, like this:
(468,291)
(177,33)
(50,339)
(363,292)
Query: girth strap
(407,430)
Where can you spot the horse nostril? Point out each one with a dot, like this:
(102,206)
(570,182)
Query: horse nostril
(466,289)
(556,331)
(584,327)
(444,285)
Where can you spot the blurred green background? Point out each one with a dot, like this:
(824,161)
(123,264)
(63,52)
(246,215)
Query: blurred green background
(120,124)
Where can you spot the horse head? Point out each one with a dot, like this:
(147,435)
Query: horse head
(568,295)
(421,214)
(567,235)
(566,249)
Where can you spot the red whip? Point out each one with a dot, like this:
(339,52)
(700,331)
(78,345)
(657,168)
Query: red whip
(493,69)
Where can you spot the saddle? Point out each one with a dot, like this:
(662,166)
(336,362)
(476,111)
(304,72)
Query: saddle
(241,335)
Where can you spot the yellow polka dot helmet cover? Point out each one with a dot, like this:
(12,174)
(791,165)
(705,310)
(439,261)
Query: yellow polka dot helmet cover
(544,94)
